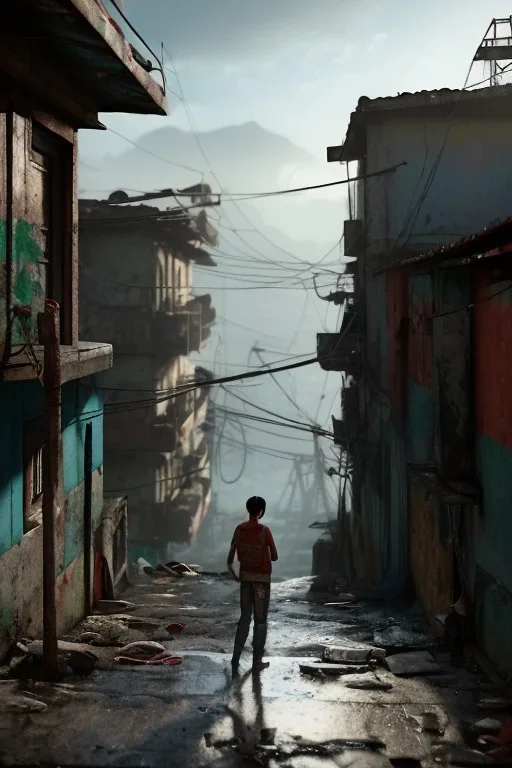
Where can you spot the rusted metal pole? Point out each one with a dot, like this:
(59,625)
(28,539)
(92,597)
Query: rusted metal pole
(49,327)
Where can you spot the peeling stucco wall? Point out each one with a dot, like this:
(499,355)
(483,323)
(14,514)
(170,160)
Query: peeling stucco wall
(21,554)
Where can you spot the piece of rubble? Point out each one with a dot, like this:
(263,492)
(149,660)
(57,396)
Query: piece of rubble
(175,628)
(160,634)
(368,682)
(455,754)
(134,622)
(346,597)
(113,606)
(141,649)
(401,638)
(162,568)
(428,722)
(143,565)
(347,655)
(81,662)
(487,725)
(413,663)
(93,638)
(25,704)
(323,668)
(22,647)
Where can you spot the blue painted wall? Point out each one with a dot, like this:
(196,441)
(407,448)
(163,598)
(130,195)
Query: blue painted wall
(21,402)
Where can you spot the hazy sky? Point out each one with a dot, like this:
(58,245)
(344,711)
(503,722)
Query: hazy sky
(298,66)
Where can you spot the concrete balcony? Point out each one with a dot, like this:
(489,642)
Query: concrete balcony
(142,330)
(339,352)
(76,362)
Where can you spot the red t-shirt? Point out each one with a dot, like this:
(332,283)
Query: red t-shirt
(255,548)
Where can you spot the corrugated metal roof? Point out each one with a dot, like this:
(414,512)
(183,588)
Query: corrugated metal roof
(88,46)
(487,242)
(354,145)
(169,225)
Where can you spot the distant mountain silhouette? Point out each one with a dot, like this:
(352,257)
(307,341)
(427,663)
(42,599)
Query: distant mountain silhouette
(245,158)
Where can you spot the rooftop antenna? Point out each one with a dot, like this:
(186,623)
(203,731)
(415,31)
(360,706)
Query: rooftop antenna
(496,49)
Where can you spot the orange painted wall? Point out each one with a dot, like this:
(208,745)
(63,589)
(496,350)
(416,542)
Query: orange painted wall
(492,329)
(431,563)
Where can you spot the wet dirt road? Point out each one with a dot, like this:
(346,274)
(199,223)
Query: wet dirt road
(196,714)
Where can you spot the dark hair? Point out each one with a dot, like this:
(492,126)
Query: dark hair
(256,505)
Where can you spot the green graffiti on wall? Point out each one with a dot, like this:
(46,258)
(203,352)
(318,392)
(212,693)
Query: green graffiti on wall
(27,255)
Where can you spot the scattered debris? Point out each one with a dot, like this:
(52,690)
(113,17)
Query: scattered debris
(401,638)
(175,628)
(323,668)
(487,725)
(165,657)
(428,722)
(142,625)
(93,638)
(346,597)
(25,704)
(269,754)
(22,647)
(413,663)
(458,755)
(142,649)
(113,606)
(346,655)
(182,568)
(82,662)
(368,682)
(144,566)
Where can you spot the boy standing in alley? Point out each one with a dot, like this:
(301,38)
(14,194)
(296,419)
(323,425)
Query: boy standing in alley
(256,551)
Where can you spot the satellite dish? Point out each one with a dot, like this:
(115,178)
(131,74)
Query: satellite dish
(119,196)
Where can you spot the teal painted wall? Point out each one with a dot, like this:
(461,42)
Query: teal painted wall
(489,546)
(20,402)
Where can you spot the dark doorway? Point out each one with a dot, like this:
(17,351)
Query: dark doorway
(88,518)
(51,184)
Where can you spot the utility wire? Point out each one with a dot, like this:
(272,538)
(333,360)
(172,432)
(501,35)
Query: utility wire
(139,37)
(307,428)
(211,382)
(275,193)
(265,410)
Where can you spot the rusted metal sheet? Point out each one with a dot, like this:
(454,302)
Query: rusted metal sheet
(398,341)
(489,532)
(381,546)
(431,564)
(376,330)
(421,309)
(492,328)
(452,353)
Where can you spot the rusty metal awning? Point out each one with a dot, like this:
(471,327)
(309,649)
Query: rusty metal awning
(90,49)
